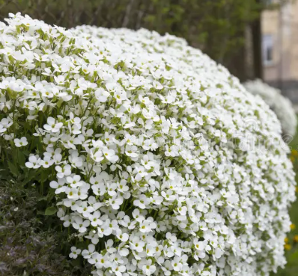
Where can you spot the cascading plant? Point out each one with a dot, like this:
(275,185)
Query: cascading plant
(155,156)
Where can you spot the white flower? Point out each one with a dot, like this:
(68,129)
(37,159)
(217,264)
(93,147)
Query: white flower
(20,142)
(47,162)
(67,221)
(110,155)
(148,268)
(52,125)
(74,181)
(2,128)
(96,155)
(88,253)
(94,218)
(6,122)
(63,171)
(142,202)
(115,202)
(118,269)
(123,237)
(74,252)
(136,244)
(157,85)
(34,162)
(80,224)
(101,95)
(93,237)
(58,186)
(109,246)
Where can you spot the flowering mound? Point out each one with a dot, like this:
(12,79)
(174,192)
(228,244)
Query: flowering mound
(279,104)
(159,158)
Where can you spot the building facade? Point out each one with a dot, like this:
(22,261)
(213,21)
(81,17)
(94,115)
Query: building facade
(280,49)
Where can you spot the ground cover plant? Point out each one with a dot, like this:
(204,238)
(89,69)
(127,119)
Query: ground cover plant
(156,159)
(281,105)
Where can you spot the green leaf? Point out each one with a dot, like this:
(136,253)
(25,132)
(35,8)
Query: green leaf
(13,169)
(50,211)
(21,158)
(44,175)
(29,176)
(44,198)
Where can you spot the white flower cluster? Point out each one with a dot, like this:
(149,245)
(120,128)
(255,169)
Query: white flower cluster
(281,105)
(145,141)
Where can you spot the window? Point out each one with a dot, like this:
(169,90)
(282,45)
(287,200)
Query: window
(267,49)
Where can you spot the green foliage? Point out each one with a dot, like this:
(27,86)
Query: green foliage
(30,242)
(50,211)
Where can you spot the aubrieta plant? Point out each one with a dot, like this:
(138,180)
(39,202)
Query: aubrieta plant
(281,105)
(158,159)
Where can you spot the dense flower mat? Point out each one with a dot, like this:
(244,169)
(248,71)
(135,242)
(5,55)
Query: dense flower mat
(281,105)
(158,157)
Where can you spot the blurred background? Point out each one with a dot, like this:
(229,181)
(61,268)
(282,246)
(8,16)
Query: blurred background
(252,38)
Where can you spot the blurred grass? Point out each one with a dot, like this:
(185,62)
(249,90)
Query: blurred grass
(291,268)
